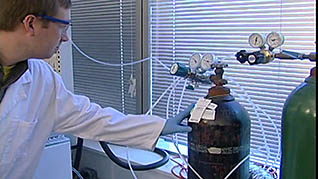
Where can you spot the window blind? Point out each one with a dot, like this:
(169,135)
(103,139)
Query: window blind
(180,28)
(106,31)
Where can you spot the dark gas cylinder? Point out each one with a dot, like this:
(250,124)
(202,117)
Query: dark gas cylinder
(299,132)
(217,146)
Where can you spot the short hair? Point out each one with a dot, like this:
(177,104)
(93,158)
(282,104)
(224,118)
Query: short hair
(12,12)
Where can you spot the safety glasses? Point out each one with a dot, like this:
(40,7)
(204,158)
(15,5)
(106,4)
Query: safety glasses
(53,19)
(65,23)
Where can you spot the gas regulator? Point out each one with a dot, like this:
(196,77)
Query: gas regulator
(267,46)
(198,66)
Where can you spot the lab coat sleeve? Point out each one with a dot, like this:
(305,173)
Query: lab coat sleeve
(78,116)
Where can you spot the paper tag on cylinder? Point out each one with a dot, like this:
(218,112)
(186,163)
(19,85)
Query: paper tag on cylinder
(212,106)
(198,110)
(209,113)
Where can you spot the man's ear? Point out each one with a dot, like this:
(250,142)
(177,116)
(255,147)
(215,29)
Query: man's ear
(29,24)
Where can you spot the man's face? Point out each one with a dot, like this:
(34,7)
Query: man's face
(49,39)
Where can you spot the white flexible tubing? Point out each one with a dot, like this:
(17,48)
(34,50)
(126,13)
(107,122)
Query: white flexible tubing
(120,65)
(182,93)
(129,164)
(257,107)
(239,164)
(253,106)
(258,150)
(160,62)
(104,63)
(77,173)
(182,158)
(257,114)
(175,84)
(115,65)
(260,122)
(271,120)
(176,139)
(150,110)
(256,110)
(175,136)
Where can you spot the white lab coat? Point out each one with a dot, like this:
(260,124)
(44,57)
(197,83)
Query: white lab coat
(38,104)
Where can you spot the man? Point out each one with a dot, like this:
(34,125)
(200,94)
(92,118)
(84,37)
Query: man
(35,102)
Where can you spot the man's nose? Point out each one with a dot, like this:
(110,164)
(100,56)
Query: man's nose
(64,37)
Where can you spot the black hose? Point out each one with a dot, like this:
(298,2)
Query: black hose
(78,155)
(164,160)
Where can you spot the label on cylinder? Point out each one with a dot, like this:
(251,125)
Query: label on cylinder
(203,109)
(217,150)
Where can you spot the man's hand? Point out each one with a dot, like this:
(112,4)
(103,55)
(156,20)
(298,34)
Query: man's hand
(173,125)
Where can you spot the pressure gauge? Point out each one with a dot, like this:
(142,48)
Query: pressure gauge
(251,59)
(179,69)
(195,61)
(274,40)
(256,40)
(207,61)
(174,69)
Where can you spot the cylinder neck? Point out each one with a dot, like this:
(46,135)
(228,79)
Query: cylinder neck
(217,79)
(312,77)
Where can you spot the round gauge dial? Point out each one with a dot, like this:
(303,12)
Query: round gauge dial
(251,59)
(256,40)
(207,61)
(174,69)
(274,39)
(195,61)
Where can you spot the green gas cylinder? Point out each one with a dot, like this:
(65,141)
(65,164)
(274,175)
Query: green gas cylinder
(299,132)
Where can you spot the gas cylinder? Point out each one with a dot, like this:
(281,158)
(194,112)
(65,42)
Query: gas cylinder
(217,146)
(299,131)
